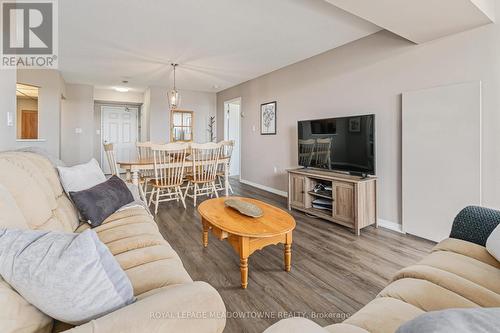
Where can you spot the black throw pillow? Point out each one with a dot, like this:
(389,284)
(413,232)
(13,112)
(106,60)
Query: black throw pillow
(97,203)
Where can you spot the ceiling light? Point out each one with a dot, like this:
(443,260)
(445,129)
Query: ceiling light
(173,95)
(121,89)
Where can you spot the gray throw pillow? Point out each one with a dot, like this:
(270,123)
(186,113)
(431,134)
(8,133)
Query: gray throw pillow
(73,278)
(477,320)
(97,203)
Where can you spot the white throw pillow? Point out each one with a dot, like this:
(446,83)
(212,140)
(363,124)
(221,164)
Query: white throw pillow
(81,177)
(493,243)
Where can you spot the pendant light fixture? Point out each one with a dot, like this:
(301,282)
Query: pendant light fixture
(173,95)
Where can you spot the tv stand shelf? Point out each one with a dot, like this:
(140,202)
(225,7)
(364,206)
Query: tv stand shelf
(354,199)
(319,195)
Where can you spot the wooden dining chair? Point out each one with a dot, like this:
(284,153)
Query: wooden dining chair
(323,152)
(306,151)
(227,148)
(109,149)
(204,160)
(169,165)
(144,152)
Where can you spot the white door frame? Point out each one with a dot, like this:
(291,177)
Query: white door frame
(101,106)
(226,134)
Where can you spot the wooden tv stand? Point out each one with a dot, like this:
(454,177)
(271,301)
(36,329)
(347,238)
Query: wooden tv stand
(354,199)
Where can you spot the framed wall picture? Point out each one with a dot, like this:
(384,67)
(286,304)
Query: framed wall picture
(355,124)
(268,118)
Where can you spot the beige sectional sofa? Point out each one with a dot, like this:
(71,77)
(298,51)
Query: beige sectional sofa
(168,300)
(456,274)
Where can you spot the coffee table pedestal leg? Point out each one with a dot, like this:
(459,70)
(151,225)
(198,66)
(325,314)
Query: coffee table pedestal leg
(205,232)
(244,249)
(288,252)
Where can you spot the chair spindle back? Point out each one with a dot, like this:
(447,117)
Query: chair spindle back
(324,152)
(169,164)
(227,148)
(205,158)
(306,151)
(111,156)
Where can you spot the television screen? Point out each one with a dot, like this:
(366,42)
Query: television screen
(344,144)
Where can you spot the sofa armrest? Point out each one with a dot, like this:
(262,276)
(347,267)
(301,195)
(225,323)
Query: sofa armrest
(474,224)
(193,307)
(295,325)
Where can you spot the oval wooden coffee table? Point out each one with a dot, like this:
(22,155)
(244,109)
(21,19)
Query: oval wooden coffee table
(247,234)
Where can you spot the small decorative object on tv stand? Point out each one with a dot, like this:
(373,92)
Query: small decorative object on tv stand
(353,198)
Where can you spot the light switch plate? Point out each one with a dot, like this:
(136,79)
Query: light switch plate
(10,119)
(78,130)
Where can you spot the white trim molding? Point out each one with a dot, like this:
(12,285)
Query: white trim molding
(265,188)
(391,226)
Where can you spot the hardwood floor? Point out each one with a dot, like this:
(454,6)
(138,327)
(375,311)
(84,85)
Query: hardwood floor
(334,273)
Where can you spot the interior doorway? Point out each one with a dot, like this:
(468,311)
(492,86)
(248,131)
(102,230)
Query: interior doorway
(232,131)
(119,125)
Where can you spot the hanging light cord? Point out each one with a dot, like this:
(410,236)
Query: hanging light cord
(174,65)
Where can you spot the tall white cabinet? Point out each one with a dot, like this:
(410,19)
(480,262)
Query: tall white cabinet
(441,157)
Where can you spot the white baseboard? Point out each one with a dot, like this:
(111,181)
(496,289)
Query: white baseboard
(265,188)
(391,225)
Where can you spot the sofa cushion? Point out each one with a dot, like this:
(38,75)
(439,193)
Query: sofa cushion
(71,277)
(468,249)
(10,214)
(345,328)
(383,315)
(425,295)
(17,315)
(33,183)
(295,325)
(466,267)
(133,238)
(459,285)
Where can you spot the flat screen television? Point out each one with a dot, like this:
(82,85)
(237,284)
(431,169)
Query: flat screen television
(338,144)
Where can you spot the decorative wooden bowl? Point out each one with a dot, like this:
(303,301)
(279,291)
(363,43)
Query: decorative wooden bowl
(244,207)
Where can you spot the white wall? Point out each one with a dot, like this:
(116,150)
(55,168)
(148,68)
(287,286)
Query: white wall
(145,116)
(368,76)
(7,104)
(202,103)
(110,95)
(77,113)
(51,89)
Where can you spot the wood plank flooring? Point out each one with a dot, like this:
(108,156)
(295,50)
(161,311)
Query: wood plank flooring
(334,273)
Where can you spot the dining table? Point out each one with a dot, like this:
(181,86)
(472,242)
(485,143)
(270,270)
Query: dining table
(134,166)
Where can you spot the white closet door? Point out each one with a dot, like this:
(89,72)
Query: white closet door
(441,149)
(119,126)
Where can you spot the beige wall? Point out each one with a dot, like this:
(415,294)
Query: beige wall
(51,89)
(77,113)
(202,103)
(368,76)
